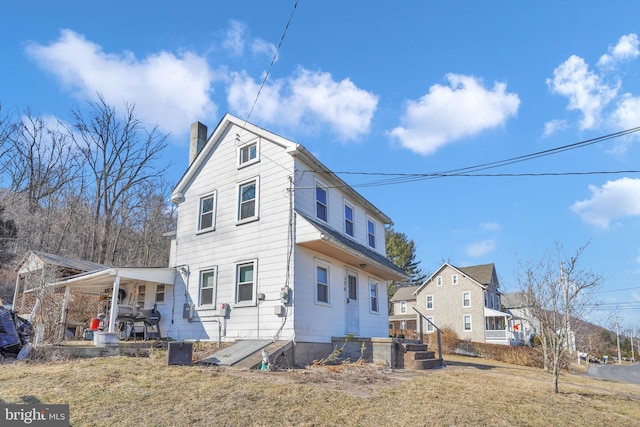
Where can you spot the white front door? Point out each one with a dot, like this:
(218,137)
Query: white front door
(353,310)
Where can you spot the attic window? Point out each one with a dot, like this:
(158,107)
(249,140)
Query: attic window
(248,153)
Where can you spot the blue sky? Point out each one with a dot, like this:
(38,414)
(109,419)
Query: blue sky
(378,87)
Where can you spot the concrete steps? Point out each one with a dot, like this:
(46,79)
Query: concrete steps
(416,357)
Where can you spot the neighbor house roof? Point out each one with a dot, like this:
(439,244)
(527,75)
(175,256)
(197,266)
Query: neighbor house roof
(404,293)
(74,266)
(480,273)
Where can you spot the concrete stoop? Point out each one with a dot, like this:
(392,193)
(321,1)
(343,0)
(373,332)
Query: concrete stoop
(417,356)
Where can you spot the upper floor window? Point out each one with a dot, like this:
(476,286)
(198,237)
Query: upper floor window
(348,219)
(207,287)
(371,233)
(160,294)
(493,301)
(207,212)
(403,306)
(248,200)
(322,284)
(245,282)
(429,302)
(439,281)
(454,279)
(248,153)
(466,299)
(322,209)
(373,293)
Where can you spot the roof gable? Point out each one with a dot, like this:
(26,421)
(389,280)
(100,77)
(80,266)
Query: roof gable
(482,274)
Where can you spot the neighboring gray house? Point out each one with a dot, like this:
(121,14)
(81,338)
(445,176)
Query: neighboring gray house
(403,302)
(467,300)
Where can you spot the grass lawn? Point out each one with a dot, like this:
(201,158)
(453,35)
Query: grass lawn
(128,391)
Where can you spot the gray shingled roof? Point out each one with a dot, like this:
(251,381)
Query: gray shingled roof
(67,263)
(404,293)
(480,273)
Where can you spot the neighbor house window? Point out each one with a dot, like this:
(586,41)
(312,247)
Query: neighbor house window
(142,290)
(245,282)
(430,327)
(247,200)
(322,209)
(439,281)
(373,292)
(429,302)
(207,212)
(466,320)
(492,301)
(348,219)
(466,299)
(159,294)
(371,232)
(454,279)
(322,284)
(248,153)
(207,287)
(403,306)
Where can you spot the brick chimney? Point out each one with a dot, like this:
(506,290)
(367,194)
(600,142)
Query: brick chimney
(197,141)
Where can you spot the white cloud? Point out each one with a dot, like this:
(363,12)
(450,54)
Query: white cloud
(448,113)
(479,249)
(585,90)
(626,49)
(168,90)
(308,99)
(627,112)
(490,226)
(234,38)
(554,126)
(615,199)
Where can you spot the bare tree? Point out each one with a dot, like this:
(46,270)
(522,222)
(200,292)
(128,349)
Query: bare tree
(557,290)
(120,156)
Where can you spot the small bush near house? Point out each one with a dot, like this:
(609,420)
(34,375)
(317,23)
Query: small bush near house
(449,339)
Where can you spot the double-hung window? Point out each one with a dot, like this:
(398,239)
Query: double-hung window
(322,284)
(373,294)
(466,299)
(207,220)
(429,302)
(245,282)
(322,209)
(207,287)
(403,306)
(160,293)
(430,327)
(248,200)
(466,320)
(142,290)
(348,219)
(371,233)
(454,279)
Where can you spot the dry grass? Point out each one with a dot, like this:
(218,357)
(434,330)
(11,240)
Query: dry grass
(125,391)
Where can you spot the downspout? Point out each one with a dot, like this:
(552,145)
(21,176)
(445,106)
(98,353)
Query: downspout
(114,304)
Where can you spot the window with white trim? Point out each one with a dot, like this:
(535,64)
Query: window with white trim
(429,302)
(245,282)
(403,306)
(142,290)
(430,327)
(466,320)
(248,200)
(160,293)
(373,296)
(207,287)
(348,219)
(493,301)
(207,217)
(439,281)
(371,232)
(454,279)
(248,153)
(466,299)
(322,203)
(322,284)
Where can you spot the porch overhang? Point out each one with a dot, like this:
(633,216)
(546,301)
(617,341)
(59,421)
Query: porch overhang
(489,312)
(316,236)
(96,281)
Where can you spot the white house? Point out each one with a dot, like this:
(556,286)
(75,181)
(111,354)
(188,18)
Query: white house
(273,245)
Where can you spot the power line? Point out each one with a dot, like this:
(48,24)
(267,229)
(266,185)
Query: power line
(399,178)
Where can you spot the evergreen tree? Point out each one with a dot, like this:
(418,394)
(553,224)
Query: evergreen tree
(402,252)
